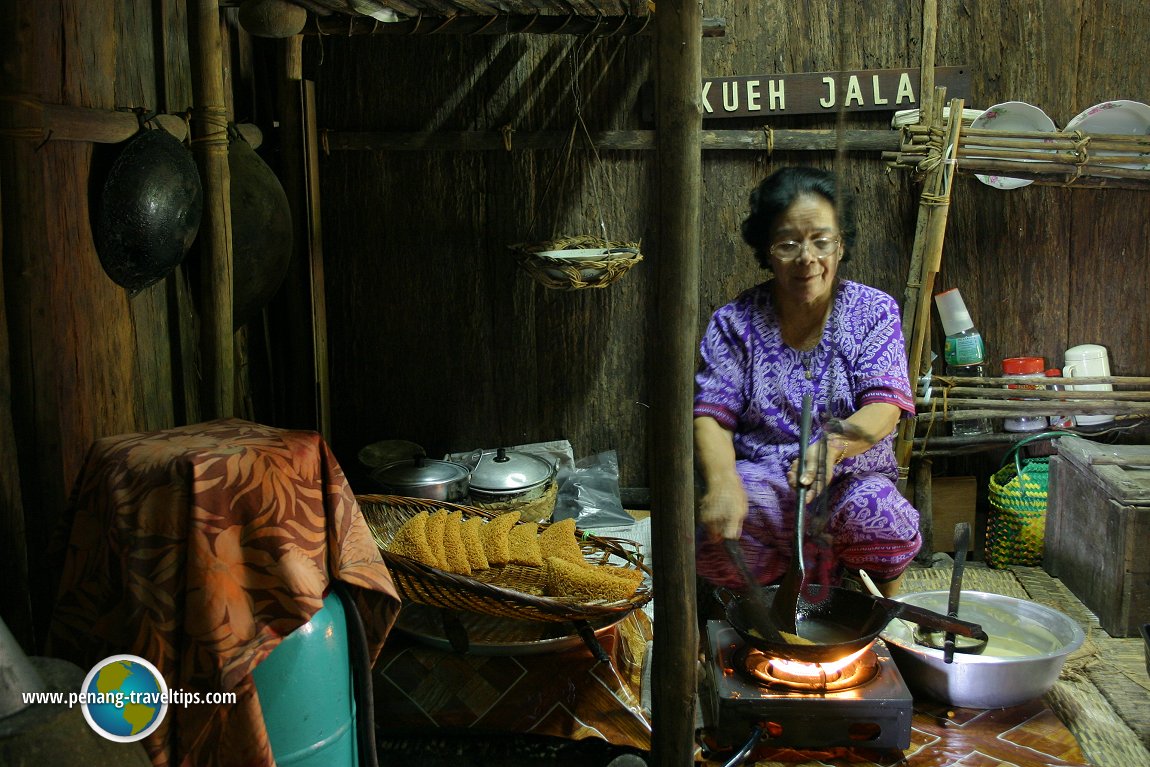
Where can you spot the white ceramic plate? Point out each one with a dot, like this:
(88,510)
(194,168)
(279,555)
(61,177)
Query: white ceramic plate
(1116,118)
(574,254)
(1011,116)
(586,254)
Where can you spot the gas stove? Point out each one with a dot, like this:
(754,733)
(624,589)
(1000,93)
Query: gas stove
(863,704)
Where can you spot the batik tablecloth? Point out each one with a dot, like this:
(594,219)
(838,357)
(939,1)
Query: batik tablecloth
(198,549)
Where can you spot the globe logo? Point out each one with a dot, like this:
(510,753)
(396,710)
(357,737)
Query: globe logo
(124,698)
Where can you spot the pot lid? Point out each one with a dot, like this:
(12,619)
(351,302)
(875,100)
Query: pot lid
(420,471)
(509,471)
(388,451)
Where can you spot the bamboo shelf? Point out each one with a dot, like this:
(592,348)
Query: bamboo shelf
(1058,158)
(936,148)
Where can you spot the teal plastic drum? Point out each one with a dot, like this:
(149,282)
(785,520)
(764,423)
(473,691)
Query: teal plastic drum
(305,690)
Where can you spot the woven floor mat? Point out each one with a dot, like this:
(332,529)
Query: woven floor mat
(1103,695)
(975,577)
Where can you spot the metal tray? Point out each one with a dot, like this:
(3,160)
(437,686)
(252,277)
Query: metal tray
(490,635)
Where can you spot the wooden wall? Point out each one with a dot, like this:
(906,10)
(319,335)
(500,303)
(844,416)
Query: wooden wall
(437,338)
(82,359)
(435,334)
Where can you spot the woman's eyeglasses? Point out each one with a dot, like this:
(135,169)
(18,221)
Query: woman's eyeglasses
(821,247)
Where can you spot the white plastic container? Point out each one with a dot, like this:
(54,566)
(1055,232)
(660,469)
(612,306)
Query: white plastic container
(1088,360)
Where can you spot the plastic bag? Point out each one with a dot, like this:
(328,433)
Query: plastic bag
(589,493)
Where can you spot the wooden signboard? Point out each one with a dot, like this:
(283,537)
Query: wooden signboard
(824,92)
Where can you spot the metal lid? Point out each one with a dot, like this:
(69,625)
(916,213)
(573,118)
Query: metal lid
(419,472)
(510,471)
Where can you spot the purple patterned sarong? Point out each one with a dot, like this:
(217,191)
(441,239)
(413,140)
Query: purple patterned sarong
(753,384)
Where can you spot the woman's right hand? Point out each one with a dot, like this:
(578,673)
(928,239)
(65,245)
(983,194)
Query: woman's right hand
(723,508)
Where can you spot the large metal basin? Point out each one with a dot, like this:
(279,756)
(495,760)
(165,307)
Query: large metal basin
(1028,645)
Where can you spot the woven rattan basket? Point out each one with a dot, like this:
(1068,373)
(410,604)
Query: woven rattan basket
(530,510)
(512,591)
(566,274)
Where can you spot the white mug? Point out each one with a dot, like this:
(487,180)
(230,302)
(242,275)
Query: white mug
(1085,361)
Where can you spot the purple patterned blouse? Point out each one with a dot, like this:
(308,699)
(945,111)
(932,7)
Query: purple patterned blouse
(753,384)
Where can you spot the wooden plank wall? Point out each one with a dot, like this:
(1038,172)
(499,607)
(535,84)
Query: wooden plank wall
(436,335)
(86,359)
(437,338)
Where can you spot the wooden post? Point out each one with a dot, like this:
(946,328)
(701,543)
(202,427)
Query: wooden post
(926,69)
(670,447)
(210,142)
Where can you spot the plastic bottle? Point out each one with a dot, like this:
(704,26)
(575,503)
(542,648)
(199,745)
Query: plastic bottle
(963,351)
(1024,367)
(1058,421)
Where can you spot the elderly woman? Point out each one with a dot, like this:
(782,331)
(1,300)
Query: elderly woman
(803,331)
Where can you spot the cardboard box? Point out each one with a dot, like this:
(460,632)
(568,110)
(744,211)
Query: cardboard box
(952,500)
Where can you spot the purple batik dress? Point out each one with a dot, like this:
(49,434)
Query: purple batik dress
(753,384)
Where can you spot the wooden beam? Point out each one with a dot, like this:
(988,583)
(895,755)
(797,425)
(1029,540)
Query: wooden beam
(639,140)
(670,452)
(210,143)
(24,117)
(508,24)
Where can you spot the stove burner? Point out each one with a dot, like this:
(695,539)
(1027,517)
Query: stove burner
(865,704)
(783,674)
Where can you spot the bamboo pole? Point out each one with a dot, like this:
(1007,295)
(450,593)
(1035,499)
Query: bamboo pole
(965,394)
(1036,167)
(210,142)
(1070,381)
(914,275)
(670,452)
(934,207)
(966,408)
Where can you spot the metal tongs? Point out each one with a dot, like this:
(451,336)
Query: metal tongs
(784,608)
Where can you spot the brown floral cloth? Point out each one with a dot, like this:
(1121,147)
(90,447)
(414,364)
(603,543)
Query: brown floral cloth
(198,549)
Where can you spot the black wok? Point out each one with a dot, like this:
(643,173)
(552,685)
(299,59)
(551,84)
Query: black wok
(842,622)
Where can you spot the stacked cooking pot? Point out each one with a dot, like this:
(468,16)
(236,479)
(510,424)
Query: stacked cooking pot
(502,479)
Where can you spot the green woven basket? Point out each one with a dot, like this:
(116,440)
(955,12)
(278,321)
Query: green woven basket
(1016,524)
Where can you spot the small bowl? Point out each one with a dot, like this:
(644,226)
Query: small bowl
(1028,645)
(1012,116)
(1116,118)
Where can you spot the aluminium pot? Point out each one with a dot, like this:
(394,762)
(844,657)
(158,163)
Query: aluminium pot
(510,475)
(1023,658)
(422,477)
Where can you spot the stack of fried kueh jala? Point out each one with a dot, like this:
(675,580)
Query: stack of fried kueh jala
(447,541)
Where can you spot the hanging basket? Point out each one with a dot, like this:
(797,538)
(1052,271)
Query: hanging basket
(574,263)
(1016,524)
